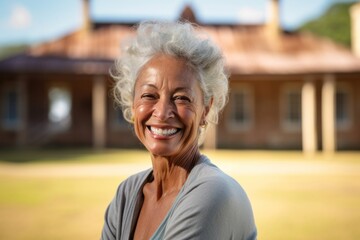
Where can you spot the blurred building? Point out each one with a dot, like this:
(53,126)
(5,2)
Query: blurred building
(288,90)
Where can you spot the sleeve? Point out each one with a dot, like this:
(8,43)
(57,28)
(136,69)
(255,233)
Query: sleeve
(113,216)
(213,210)
(119,214)
(109,230)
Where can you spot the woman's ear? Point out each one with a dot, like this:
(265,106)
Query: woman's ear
(207,109)
(132,114)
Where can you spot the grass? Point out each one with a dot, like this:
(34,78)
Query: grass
(57,194)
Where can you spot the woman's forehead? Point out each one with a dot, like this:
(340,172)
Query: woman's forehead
(167,70)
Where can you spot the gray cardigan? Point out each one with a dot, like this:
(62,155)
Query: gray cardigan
(210,205)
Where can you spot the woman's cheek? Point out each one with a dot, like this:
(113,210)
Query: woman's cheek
(188,113)
(142,109)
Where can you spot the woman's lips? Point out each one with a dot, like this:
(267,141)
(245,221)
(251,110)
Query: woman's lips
(163,132)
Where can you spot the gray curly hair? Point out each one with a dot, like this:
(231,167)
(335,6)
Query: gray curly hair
(179,39)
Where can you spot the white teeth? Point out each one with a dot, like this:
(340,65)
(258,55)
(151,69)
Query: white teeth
(163,132)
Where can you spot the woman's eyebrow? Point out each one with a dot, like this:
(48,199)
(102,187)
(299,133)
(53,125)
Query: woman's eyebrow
(148,85)
(182,89)
(178,89)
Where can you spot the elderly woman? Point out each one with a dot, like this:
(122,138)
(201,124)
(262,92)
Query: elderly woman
(170,83)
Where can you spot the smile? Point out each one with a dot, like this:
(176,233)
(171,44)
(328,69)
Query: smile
(163,132)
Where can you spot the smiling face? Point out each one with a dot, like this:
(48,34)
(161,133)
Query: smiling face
(168,107)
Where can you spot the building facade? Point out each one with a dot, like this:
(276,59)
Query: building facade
(288,90)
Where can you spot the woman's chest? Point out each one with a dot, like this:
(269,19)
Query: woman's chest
(152,214)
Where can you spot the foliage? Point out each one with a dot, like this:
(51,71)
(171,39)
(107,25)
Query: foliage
(334,24)
(10,50)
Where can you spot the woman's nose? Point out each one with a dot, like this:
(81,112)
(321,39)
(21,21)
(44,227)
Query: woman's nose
(164,109)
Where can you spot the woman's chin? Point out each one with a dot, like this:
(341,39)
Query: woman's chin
(163,150)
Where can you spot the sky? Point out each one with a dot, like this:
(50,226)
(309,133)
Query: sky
(34,21)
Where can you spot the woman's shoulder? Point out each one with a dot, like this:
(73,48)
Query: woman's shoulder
(207,173)
(213,205)
(208,180)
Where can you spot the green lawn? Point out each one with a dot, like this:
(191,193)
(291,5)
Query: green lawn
(63,194)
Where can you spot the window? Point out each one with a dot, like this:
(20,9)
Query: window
(343,107)
(10,113)
(241,109)
(59,107)
(291,110)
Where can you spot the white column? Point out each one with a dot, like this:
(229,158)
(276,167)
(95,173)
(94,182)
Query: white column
(308,103)
(210,137)
(328,121)
(99,112)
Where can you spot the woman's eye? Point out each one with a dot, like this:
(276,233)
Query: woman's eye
(148,96)
(182,99)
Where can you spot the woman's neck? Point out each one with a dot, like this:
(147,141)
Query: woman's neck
(170,173)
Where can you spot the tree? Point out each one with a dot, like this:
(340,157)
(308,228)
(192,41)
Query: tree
(10,50)
(334,24)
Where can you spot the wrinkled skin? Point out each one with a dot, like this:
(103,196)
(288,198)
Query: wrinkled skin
(168,111)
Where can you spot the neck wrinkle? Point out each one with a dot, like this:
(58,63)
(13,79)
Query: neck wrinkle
(171,173)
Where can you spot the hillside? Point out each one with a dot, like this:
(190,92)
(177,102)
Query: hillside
(334,24)
(10,50)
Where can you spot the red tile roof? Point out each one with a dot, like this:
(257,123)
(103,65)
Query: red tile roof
(247,49)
